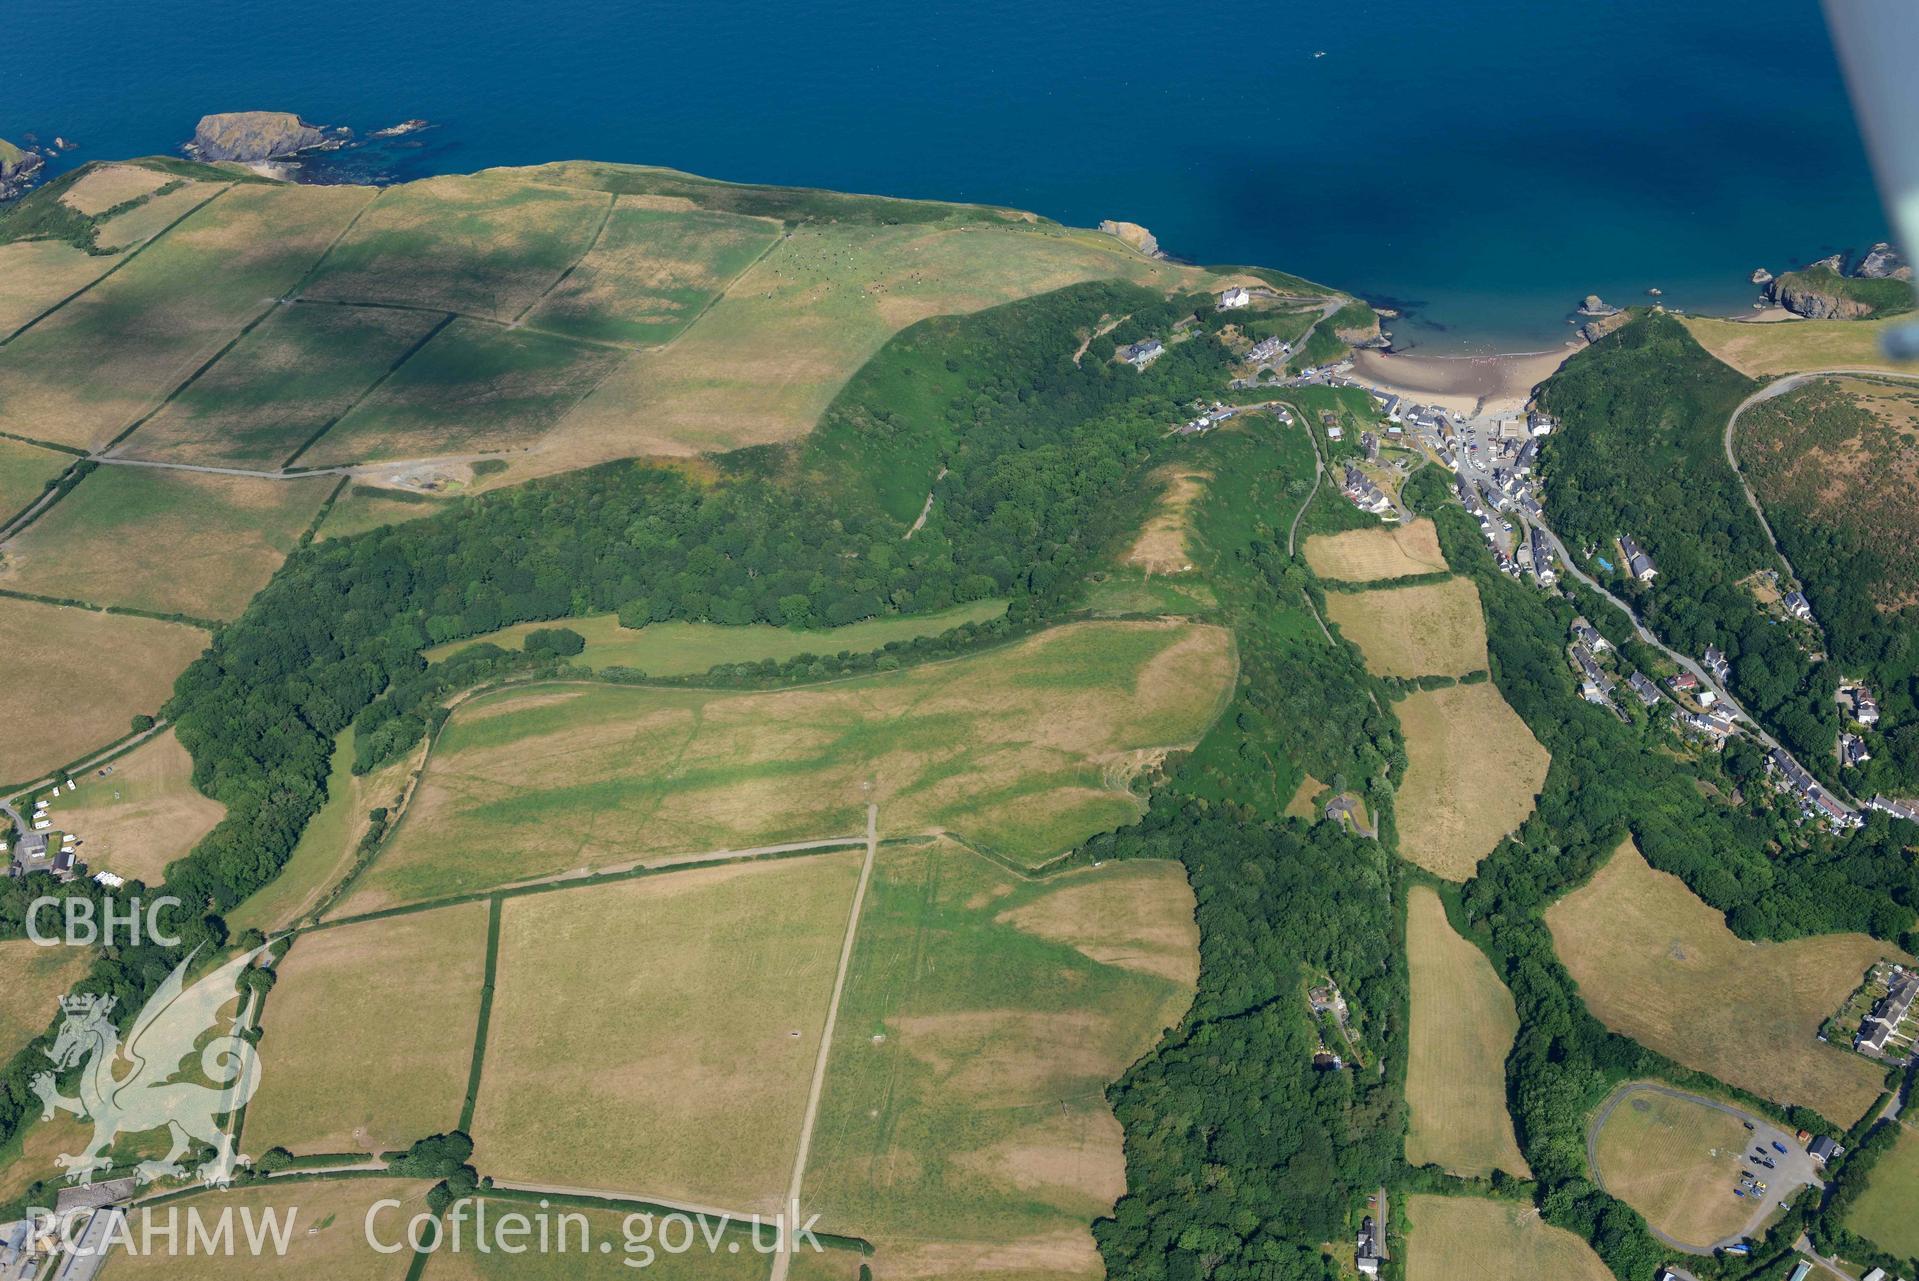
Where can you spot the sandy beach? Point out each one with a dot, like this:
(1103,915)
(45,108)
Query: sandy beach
(1461,384)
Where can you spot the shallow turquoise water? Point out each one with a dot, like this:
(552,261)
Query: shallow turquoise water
(1485,163)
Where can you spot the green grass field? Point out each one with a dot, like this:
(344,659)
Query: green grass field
(84,374)
(1883,1212)
(160,539)
(364,507)
(1026,750)
(24,472)
(474,387)
(651,272)
(1791,345)
(285,381)
(658,1036)
(368,1034)
(461,244)
(687,649)
(1677,1161)
(964,1125)
(637,1249)
(1129,591)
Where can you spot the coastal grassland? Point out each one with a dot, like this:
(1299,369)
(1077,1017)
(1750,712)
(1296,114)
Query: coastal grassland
(102,187)
(767,358)
(152,215)
(687,649)
(1024,750)
(328,843)
(143,815)
(368,1033)
(286,380)
(1833,461)
(364,507)
(88,371)
(1431,629)
(561,1256)
(1792,345)
(161,539)
(964,1128)
(1368,555)
(1473,770)
(825,1265)
(1655,963)
(1883,1212)
(328,1236)
(689,1006)
(1125,590)
(1676,1161)
(74,677)
(1456,1238)
(24,473)
(473,387)
(1162,545)
(36,274)
(1463,1024)
(651,272)
(461,244)
(32,981)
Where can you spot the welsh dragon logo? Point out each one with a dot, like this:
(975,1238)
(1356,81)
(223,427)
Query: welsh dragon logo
(169,1028)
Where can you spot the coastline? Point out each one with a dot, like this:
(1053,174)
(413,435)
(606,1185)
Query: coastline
(1462,384)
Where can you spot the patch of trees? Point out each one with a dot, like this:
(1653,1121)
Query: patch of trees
(1846,1182)
(1641,453)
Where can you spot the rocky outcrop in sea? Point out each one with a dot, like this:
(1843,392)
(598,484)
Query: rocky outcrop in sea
(252,136)
(19,168)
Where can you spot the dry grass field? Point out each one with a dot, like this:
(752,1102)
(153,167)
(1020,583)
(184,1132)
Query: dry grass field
(659,1035)
(152,215)
(104,186)
(1676,1161)
(1162,546)
(461,244)
(651,272)
(1459,1238)
(174,542)
(143,815)
(1792,345)
(74,678)
(32,981)
(1369,555)
(364,507)
(636,1251)
(24,473)
(964,1128)
(1656,964)
(328,1237)
(687,649)
(1025,750)
(1435,629)
(299,370)
(36,274)
(1883,1212)
(474,387)
(1463,1025)
(368,1034)
(1473,771)
(87,372)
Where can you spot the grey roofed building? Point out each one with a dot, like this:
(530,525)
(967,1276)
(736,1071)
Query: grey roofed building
(93,1195)
(1823,1149)
(1647,691)
(1142,353)
(1638,564)
(1898,809)
(1852,750)
(1715,662)
(1797,605)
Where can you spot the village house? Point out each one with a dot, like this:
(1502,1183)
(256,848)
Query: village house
(1715,662)
(1364,494)
(1647,692)
(1684,683)
(1369,443)
(1539,424)
(1889,1013)
(1234,298)
(1709,725)
(1638,564)
(1797,605)
(1852,750)
(1267,349)
(1588,635)
(1388,404)
(1823,1149)
(1366,1253)
(1860,702)
(1543,559)
(1898,809)
(1595,684)
(1142,353)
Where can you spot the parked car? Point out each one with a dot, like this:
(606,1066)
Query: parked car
(1778,1147)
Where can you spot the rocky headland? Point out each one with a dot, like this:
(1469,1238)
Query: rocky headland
(253,136)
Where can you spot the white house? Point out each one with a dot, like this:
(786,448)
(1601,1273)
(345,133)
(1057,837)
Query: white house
(1234,298)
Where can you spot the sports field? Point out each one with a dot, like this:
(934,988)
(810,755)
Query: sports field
(637,1249)
(1461,1238)
(1025,750)
(368,1034)
(1790,345)
(1434,629)
(1369,555)
(32,981)
(474,387)
(964,1129)
(659,1035)
(652,272)
(281,385)
(1677,1162)
(1655,963)
(687,649)
(461,244)
(1883,1212)
(160,539)
(84,374)
(1463,1025)
(24,472)
(1162,546)
(74,678)
(142,815)
(1473,771)
(327,1237)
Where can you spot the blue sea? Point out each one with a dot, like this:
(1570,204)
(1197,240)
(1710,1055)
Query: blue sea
(1479,164)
